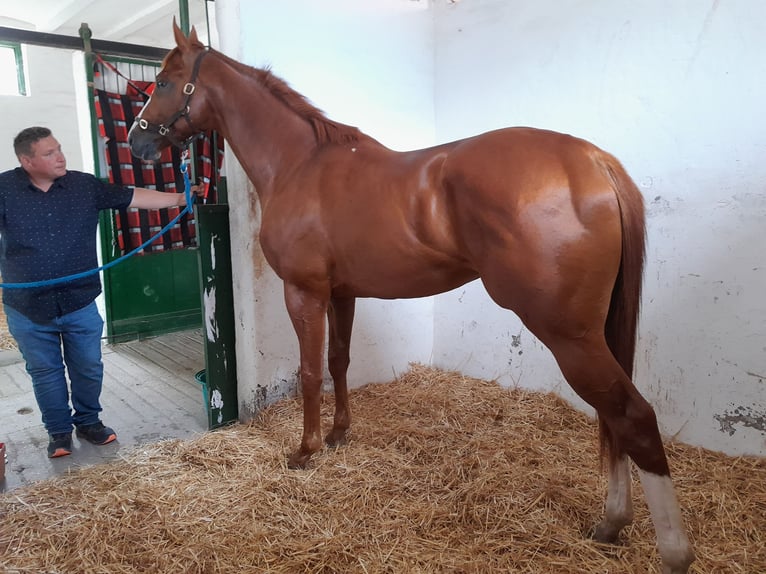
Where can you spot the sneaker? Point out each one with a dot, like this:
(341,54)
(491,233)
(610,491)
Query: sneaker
(96,433)
(60,445)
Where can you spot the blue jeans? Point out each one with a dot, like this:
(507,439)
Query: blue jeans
(79,335)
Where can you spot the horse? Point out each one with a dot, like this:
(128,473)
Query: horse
(552,225)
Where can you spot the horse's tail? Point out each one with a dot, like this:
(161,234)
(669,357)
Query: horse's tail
(622,319)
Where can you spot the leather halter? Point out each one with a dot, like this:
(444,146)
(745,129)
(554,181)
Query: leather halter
(164,128)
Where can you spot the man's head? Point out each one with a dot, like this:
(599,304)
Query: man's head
(40,153)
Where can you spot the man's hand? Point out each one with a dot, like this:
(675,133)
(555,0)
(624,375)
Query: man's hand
(197,191)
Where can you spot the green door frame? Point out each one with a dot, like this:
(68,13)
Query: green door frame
(150,294)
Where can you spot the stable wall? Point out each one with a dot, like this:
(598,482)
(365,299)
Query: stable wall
(54,76)
(673,91)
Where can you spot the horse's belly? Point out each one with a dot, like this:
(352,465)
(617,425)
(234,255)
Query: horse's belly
(401,282)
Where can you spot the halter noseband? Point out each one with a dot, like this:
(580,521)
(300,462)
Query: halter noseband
(164,128)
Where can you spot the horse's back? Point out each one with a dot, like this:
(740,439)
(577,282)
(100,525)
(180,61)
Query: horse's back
(527,159)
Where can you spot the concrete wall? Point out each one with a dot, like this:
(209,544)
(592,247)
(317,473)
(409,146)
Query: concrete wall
(54,77)
(672,90)
(675,91)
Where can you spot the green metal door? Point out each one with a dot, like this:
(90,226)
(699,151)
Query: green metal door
(151,294)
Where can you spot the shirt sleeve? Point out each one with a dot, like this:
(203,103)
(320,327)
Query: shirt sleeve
(112,196)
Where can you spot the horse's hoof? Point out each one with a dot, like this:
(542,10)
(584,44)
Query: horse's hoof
(678,561)
(605,533)
(674,569)
(298,461)
(335,438)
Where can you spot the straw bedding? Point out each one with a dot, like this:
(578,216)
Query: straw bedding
(442,473)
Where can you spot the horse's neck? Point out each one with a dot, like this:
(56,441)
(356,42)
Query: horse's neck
(265,135)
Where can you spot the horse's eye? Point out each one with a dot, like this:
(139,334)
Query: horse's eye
(162,84)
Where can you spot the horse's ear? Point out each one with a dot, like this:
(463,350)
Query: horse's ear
(181,40)
(193,36)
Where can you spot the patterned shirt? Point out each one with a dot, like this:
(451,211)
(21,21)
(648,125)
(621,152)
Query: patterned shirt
(46,235)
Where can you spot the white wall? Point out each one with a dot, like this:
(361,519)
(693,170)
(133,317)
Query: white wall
(673,90)
(51,103)
(367,64)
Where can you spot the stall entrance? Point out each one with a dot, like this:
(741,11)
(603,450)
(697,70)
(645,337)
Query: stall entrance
(156,290)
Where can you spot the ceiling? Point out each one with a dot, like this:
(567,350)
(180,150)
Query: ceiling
(142,22)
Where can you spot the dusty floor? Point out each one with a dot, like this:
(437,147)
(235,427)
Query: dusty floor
(150,394)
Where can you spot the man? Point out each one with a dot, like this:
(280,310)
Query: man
(48,223)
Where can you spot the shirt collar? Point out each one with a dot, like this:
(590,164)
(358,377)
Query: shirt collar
(22,174)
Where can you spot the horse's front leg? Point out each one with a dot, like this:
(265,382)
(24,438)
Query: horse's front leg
(307,311)
(340,317)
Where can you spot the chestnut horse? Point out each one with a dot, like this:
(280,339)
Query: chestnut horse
(552,225)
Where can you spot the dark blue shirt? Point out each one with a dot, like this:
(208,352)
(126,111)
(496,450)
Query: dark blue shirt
(46,235)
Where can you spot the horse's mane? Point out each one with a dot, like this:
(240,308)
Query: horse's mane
(326,130)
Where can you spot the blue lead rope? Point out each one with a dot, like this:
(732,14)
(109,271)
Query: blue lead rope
(187,209)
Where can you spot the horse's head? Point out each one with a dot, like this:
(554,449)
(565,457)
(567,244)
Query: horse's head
(177,109)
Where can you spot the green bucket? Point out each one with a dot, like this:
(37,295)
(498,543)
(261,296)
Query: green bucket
(214,406)
(201,378)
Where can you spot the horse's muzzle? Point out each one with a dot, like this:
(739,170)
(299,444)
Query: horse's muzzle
(143,144)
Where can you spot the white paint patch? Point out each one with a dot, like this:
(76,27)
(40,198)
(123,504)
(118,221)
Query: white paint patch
(211,325)
(213,239)
(216,401)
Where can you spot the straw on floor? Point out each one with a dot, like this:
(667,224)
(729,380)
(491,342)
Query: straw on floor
(443,473)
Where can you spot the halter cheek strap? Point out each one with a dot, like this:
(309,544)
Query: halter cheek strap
(164,128)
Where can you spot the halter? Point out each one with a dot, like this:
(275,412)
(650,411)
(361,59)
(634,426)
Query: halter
(163,129)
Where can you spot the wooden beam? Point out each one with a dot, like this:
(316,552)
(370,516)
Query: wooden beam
(103,47)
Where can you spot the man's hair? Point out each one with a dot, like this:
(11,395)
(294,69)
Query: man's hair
(22,143)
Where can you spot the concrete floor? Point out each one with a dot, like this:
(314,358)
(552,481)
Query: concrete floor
(149,394)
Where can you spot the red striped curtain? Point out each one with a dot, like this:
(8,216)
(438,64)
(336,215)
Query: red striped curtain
(116,113)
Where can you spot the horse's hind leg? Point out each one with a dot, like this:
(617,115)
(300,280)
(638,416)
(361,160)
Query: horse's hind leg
(593,372)
(340,317)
